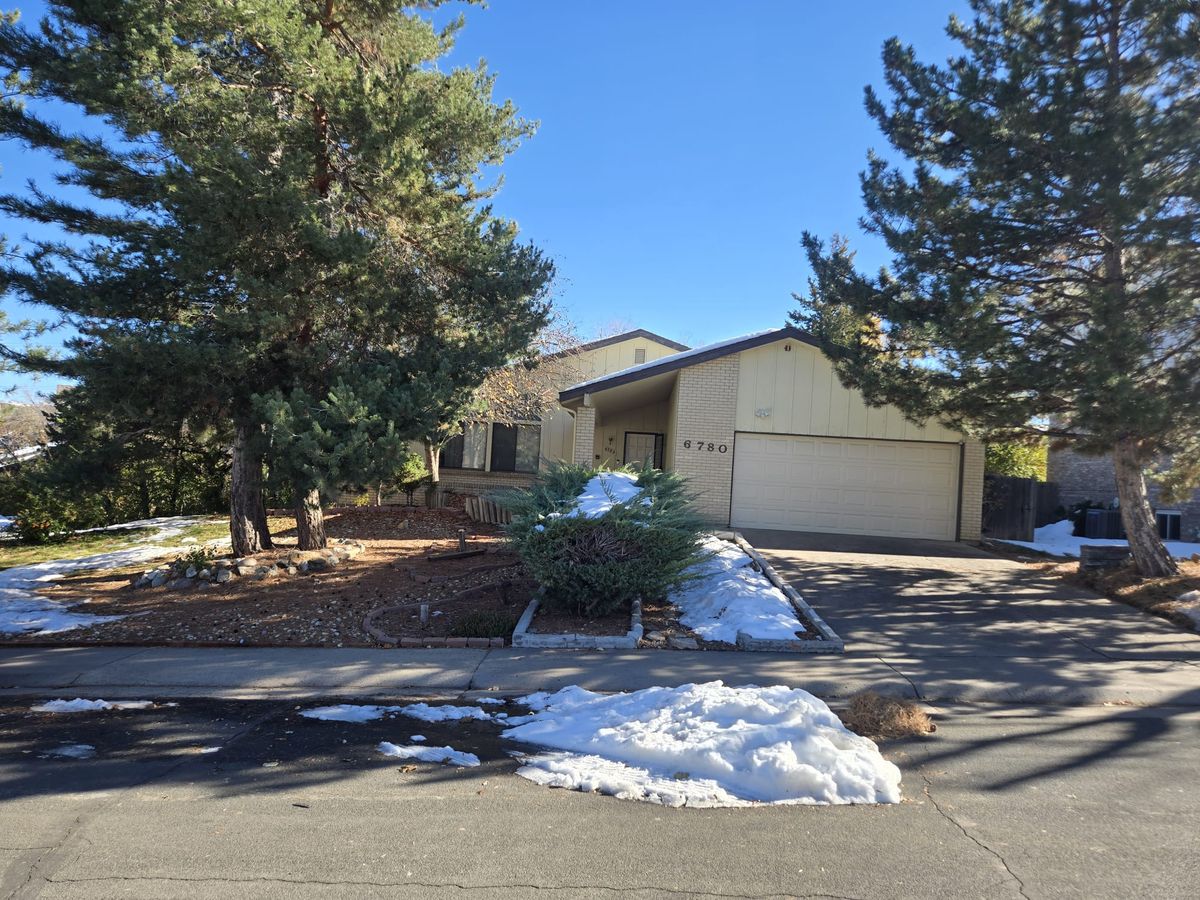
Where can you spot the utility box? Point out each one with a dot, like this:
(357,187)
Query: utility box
(1103,524)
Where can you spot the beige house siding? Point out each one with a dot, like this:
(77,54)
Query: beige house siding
(705,403)
(796,391)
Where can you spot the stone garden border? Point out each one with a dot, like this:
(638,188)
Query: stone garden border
(829,642)
(523,637)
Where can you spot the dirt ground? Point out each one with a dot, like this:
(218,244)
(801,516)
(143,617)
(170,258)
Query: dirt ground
(320,609)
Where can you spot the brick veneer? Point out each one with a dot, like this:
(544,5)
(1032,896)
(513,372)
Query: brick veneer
(705,408)
(1080,478)
(585,436)
(971,513)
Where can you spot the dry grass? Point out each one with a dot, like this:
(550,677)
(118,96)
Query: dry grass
(875,716)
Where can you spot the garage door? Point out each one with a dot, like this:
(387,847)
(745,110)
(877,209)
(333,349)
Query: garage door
(844,485)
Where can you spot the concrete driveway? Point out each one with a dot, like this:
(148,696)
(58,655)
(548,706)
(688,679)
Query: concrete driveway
(963,624)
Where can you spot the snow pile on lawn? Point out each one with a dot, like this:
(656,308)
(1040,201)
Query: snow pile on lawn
(703,745)
(602,493)
(429,754)
(81,705)
(729,596)
(1057,540)
(23,610)
(350,712)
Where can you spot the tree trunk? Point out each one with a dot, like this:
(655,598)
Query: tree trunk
(310,520)
(379,494)
(1149,554)
(432,462)
(247,520)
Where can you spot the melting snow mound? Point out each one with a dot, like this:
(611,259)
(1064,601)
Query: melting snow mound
(447,755)
(703,745)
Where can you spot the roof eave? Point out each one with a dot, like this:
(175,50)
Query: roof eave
(670,364)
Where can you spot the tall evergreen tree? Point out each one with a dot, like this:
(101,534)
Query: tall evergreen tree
(1045,277)
(288,188)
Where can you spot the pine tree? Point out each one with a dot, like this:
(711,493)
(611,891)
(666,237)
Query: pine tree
(1045,279)
(287,191)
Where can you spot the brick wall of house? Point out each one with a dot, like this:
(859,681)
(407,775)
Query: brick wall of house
(971,514)
(705,411)
(1080,478)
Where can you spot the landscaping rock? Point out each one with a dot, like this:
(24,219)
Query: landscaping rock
(245,569)
(222,576)
(318,564)
(677,642)
(206,574)
(160,578)
(1189,597)
(181,584)
(656,636)
(190,572)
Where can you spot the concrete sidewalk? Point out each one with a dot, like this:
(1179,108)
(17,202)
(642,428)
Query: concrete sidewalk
(258,673)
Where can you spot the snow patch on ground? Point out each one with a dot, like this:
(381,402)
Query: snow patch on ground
(74,751)
(351,712)
(427,713)
(1057,540)
(81,705)
(429,754)
(728,595)
(703,744)
(347,712)
(23,610)
(418,738)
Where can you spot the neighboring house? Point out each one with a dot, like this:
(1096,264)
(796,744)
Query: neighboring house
(1082,478)
(491,455)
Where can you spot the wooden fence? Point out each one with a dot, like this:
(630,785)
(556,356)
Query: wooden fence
(1014,507)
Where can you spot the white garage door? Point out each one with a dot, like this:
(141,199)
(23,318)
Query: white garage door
(845,485)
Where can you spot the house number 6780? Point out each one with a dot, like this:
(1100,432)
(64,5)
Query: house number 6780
(706,445)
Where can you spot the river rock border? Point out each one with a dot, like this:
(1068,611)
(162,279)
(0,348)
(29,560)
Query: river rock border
(828,642)
(184,573)
(523,637)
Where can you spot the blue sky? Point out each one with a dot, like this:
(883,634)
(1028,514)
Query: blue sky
(683,147)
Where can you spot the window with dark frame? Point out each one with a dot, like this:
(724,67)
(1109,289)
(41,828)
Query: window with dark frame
(516,448)
(466,449)
(1170,524)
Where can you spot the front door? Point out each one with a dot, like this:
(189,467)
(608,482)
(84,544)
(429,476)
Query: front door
(643,449)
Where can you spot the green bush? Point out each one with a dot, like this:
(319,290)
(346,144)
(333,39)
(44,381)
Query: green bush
(1017,460)
(594,566)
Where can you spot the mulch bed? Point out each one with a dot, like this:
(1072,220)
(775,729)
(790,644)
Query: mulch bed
(548,620)
(475,611)
(324,609)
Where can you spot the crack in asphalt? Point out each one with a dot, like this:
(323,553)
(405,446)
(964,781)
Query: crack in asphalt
(471,681)
(912,684)
(928,791)
(265,879)
(82,672)
(44,859)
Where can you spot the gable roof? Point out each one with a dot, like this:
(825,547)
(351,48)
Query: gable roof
(687,358)
(625,336)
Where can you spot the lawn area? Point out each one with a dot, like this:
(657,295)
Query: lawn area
(88,543)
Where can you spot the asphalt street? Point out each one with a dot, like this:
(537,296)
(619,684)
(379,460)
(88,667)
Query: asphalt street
(1000,802)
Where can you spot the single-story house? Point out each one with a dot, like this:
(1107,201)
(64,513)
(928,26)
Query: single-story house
(1081,478)
(762,428)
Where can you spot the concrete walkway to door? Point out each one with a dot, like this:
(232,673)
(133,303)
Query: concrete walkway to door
(962,624)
